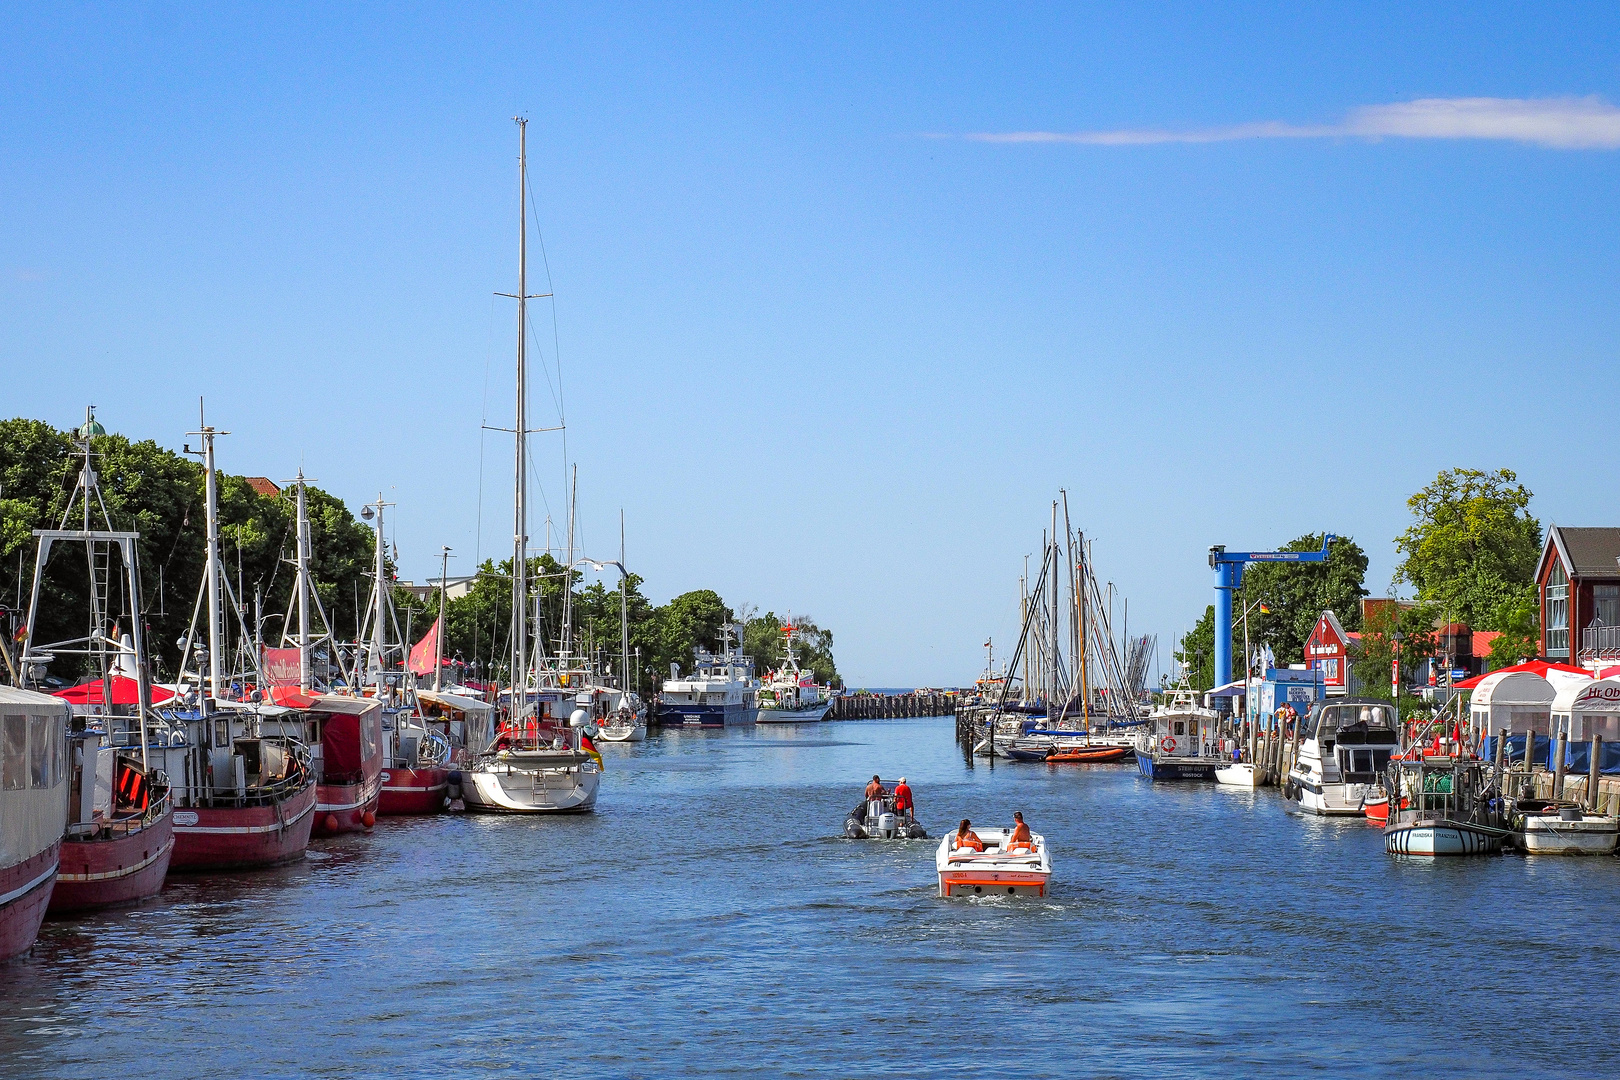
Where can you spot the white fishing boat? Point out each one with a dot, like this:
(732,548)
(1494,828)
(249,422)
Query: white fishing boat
(788,695)
(1542,827)
(1442,805)
(1347,745)
(995,871)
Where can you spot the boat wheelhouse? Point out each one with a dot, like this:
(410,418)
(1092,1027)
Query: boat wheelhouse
(1442,805)
(1178,742)
(33,811)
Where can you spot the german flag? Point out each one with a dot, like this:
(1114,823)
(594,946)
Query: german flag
(589,747)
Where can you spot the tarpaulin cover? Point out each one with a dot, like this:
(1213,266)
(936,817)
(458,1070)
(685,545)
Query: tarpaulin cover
(1515,749)
(125,691)
(1534,667)
(1578,759)
(340,747)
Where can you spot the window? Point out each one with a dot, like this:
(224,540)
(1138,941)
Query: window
(41,762)
(14,752)
(1606,599)
(1557,601)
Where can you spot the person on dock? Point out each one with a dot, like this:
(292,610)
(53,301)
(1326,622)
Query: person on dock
(903,804)
(966,838)
(874,790)
(1020,833)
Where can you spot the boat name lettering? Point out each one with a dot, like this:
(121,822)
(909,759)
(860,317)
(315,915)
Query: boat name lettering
(185,817)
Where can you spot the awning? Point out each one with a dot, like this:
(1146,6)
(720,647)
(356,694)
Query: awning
(125,691)
(1534,667)
(1231,689)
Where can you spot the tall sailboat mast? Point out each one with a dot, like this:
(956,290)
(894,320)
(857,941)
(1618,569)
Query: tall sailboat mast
(520,552)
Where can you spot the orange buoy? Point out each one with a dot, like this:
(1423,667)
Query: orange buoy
(369,818)
(331,823)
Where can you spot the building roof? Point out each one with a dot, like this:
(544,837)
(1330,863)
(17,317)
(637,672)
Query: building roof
(1480,643)
(263,485)
(1585,552)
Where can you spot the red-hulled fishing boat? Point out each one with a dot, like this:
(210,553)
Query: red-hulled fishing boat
(416,766)
(120,832)
(33,811)
(345,737)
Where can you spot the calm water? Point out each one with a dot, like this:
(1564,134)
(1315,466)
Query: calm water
(708,921)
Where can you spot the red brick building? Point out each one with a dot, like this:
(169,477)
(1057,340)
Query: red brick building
(1579,583)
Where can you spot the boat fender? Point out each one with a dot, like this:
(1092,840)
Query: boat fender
(331,823)
(368,818)
(455,777)
(853,830)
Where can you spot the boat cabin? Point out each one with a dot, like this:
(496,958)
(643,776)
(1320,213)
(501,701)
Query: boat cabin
(1583,709)
(1511,701)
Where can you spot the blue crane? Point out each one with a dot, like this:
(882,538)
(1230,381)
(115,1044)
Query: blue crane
(1228,567)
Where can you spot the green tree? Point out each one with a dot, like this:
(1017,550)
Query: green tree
(1197,651)
(1472,544)
(1519,622)
(1391,630)
(1294,595)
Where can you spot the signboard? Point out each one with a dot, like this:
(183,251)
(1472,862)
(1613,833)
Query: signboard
(281,667)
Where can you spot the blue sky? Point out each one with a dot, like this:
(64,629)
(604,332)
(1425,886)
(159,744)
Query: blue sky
(843,297)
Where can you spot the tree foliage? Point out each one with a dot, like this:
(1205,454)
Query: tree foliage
(1392,630)
(1294,595)
(1472,544)
(1519,622)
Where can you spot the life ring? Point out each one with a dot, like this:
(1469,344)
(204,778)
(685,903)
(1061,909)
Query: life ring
(1167,744)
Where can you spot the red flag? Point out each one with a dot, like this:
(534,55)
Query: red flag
(426,652)
(281,667)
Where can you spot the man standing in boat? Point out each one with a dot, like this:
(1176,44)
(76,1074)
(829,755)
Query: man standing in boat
(874,790)
(903,804)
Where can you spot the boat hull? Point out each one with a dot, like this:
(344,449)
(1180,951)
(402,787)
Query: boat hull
(794,716)
(114,872)
(627,733)
(992,883)
(413,791)
(1437,838)
(1329,800)
(1239,775)
(243,837)
(25,893)
(734,714)
(1543,836)
(504,790)
(1157,767)
(344,808)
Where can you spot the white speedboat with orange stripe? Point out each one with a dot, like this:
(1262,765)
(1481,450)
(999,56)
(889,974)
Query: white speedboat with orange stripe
(1024,870)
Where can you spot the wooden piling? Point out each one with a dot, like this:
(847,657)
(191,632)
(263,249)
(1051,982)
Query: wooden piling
(1593,772)
(1558,768)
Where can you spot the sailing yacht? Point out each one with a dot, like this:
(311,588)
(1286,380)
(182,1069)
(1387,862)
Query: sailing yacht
(536,760)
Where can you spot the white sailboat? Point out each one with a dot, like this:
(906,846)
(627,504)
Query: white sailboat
(536,760)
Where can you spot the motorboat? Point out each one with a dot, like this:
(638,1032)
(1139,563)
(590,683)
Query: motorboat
(721,692)
(1178,740)
(1547,827)
(877,819)
(624,725)
(1240,774)
(1442,805)
(995,871)
(33,811)
(789,695)
(1346,747)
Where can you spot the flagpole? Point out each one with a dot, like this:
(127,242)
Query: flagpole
(438,631)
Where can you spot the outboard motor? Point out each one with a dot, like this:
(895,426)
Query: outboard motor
(886,825)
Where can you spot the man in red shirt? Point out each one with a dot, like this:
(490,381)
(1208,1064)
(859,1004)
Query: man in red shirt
(902,800)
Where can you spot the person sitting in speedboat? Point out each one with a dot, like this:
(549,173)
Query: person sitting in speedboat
(1020,838)
(966,838)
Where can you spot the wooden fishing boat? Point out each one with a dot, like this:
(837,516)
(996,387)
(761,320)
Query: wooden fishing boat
(120,833)
(1448,806)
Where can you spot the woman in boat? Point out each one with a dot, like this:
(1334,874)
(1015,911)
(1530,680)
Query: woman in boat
(967,838)
(1020,835)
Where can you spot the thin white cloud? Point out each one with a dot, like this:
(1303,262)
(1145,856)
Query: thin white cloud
(1568,123)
